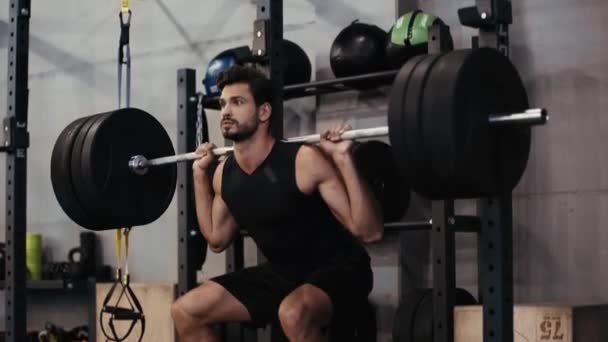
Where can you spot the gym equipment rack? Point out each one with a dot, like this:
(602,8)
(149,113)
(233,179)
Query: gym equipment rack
(14,138)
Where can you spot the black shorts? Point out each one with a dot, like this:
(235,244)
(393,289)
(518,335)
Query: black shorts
(262,288)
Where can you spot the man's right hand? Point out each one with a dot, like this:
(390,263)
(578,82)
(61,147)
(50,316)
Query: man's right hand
(206,158)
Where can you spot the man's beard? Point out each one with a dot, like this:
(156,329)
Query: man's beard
(243,131)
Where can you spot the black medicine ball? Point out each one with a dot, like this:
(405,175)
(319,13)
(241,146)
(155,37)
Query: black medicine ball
(298,68)
(359,49)
(296,64)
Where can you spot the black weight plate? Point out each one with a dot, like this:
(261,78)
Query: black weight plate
(475,159)
(423,322)
(439,125)
(109,207)
(425,181)
(375,162)
(61,174)
(89,204)
(397,135)
(403,322)
(124,133)
(500,153)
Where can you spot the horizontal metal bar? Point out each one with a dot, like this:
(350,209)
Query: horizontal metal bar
(411,225)
(459,223)
(294,88)
(348,135)
(534,116)
(317,87)
(139,164)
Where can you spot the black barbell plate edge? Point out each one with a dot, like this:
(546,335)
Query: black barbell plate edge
(61,179)
(163,178)
(437,123)
(469,113)
(490,161)
(426,182)
(397,136)
(405,315)
(90,204)
(133,131)
(97,167)
(422,329)
(374,161)
(442,124)
(76,173)
(110,208)
(424,317)
(510,146)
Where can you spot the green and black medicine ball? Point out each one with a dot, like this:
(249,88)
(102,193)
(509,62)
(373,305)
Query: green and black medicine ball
(409,37)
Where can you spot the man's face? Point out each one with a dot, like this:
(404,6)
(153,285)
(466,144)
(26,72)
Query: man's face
(239,112)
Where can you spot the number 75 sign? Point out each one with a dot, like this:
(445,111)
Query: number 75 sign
(552,328)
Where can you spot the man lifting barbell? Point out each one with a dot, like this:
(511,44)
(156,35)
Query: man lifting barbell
(306,208)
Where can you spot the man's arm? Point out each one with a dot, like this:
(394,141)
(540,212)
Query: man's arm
(339,184)
(215,221)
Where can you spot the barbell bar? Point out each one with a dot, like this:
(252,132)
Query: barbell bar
(536,116)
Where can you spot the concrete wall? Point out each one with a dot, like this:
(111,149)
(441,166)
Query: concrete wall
(560,205)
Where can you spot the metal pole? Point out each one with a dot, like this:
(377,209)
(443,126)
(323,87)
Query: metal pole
(191,245)
(16,142)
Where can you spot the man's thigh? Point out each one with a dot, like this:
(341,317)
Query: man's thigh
(260,289)
(212,303)
(344,281)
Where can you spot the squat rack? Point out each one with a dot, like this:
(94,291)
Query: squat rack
(14,139)
(493,222)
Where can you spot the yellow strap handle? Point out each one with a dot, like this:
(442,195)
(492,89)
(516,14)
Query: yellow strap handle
(124,7)
(126,275)
(118,251)
(119,233)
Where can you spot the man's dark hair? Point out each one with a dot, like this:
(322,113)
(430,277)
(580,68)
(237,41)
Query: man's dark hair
(259,84)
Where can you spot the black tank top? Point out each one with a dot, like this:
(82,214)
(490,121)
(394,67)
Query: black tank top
(289,227)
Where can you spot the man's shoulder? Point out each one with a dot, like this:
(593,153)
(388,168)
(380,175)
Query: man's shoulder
(308,152)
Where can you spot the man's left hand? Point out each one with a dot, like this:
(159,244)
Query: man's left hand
(332,144)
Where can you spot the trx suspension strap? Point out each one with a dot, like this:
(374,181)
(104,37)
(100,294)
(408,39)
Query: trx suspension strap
(124,52)
(131,312)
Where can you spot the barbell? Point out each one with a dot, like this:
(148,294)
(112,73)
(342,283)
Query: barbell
(140,164)
(458,126)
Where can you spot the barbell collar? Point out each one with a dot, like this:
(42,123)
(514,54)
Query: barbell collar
(530,117)
(138,164)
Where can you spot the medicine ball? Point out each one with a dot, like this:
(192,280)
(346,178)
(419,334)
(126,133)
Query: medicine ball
(296,64)
(299,68)
(408,37)
(221,62)
(359,49)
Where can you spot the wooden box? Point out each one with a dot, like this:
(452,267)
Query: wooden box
(156,301)
(531,323)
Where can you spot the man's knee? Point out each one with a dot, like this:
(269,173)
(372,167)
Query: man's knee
(184,319)
(295,315)
(178,313)
(304,310)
